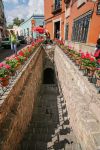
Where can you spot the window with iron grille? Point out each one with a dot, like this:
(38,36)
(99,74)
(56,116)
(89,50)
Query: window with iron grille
(80,28)
(66,31)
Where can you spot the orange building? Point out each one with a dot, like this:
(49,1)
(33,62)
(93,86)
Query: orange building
(54,17)
(76,21)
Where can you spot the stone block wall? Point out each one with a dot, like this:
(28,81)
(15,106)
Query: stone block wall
(82,100)
(17,104)
(81,46)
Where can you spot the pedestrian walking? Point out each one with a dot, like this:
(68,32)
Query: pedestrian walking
(28,39)
(58,34)
(13,40)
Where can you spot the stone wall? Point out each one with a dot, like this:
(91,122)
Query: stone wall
(16,105)
(82,46)
(82,100)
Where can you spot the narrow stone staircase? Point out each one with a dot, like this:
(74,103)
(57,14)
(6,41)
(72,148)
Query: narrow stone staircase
(49,128)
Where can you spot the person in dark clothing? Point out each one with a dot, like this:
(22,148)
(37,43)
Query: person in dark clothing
(97,52)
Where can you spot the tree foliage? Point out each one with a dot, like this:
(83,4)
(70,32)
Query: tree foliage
(16,21)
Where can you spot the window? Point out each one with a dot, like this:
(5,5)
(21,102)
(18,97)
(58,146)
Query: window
(57,4)
(66,31)
(80,28)
(98,8)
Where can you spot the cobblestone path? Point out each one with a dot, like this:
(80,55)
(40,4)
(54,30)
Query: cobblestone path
(49,128)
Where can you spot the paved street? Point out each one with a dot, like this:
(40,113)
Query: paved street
(8,52)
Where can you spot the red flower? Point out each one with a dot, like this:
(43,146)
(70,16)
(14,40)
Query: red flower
(98,61)
(16,57)
(92,59)
(21,53)
(7,66)
(97,53)
(82,55)
(88,55)
(1,65)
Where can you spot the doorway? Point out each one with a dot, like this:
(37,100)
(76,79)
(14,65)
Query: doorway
(48,76)
(57,30)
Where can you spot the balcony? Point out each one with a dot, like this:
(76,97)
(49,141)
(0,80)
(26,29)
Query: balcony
(56,8)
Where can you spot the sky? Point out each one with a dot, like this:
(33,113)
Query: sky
(22,8)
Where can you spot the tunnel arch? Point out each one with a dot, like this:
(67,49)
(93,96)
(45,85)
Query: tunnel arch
(49,76)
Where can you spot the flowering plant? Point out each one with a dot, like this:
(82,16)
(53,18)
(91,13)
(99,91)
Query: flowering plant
(88,60)
(12,63)
(60,42)
(21,58)
(4,70)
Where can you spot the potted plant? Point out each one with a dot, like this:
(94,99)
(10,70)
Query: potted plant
(13,63)
(89,63)
(4,74)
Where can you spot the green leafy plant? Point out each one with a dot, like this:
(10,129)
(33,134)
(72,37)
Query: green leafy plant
(4,70)
(21,59)
(13,64)
(88,63)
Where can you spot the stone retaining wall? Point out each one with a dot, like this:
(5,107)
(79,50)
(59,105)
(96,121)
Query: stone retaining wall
(82,100)
(18,103)
(81,46)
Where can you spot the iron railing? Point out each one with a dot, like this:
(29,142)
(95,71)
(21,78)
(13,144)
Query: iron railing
(56,7)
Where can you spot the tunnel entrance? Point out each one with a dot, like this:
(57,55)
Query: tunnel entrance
(48,76)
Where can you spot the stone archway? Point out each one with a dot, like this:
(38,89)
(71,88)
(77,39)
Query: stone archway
(48,76)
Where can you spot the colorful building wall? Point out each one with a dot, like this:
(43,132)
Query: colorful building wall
(51,18)
(26,27)
(94,23)
(74,10)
